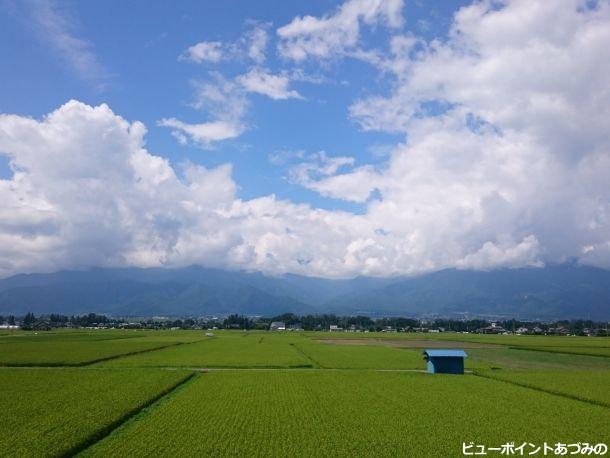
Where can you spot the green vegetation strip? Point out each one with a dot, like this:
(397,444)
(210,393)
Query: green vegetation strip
(361,356)
(350,413)
(519,359)
(108,429)
(315,364)
(226,350)
(55,412)
(591,387)
(583,351)
(61,353)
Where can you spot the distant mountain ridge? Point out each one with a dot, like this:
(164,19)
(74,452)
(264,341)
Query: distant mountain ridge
(552,292)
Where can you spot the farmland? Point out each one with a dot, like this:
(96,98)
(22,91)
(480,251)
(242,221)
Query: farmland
(237,393)
(229,350)
(347,414)
(592,386)
(56,411)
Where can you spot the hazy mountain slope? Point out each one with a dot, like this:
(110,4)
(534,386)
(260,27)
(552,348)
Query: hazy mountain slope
(556,291)
(550,292)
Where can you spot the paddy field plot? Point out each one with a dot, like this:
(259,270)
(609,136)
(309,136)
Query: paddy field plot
(590,386)
(263,393)
(530,359)
(247,350)
(336,356)
(70,353)
(53,411)
(349,413)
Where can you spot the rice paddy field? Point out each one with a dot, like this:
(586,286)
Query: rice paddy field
(182,393)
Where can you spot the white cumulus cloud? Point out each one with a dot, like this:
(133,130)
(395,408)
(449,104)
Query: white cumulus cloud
(203,134)
(334,34)
(275,87)
(204,51)
(504,162)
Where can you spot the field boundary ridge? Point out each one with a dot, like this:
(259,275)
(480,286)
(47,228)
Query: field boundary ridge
(107,430)
(543,390)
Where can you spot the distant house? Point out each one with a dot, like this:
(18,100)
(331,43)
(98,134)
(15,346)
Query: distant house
(440,361)
(41,325)
(522,330)
(492,329)
(277,326)
(335,328)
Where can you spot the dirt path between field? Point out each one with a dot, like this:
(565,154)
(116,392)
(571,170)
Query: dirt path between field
(404,343)
(289,369)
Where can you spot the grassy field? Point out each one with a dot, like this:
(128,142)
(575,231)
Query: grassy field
(70,353)
(246,350)
(50,412)
(511,358)
(591,386)
(289,394)
(81,348)
(329,413)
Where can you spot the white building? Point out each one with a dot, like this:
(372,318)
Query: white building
(277,326)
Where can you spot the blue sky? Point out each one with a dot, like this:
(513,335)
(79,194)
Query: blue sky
(137,45)
(325,138)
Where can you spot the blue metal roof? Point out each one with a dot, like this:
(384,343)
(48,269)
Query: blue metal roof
(446,352)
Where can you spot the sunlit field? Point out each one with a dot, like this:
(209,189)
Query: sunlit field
(182,393)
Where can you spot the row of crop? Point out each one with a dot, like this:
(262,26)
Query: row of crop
(61,353)
(235,350)
(350,413)
(590,386)
(51,412)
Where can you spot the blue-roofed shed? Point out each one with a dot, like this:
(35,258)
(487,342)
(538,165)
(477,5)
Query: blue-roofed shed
(442,361)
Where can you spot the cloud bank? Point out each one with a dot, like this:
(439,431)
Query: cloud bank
(505,163)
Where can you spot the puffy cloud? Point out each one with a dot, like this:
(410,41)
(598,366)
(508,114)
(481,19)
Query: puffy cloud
(521,66)
(251,45)
(338,33)
(205,51)
(319,173)
(506,142)
(85,192)
(224,103)
(505,162)
(257,40)
(273,86)
(204,134)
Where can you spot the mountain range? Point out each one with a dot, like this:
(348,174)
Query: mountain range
(552,292)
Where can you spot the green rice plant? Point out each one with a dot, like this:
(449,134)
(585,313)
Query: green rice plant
(587,386)
(332,356)
(336,356)
(350,413)
(71,353)
(577,350)
(529,341)
(53,412)
(223,350)
(525,359)
(71,335)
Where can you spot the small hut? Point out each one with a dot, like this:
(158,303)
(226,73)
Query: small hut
(441,361)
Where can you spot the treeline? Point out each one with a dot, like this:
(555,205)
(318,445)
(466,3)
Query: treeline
(31,321)
(322,322)
(365,323)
